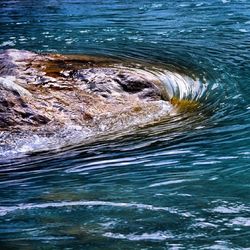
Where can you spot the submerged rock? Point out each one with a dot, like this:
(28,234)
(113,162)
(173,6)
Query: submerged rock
(49,101)
(56,90)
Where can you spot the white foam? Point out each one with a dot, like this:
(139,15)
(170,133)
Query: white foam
(7,43)
(243,30)
(9,209)
(240,221)
(230,209)
(157,236)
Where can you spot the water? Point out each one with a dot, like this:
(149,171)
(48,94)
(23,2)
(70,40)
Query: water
(181,183)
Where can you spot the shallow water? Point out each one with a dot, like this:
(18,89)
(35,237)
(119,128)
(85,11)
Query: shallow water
(180,183)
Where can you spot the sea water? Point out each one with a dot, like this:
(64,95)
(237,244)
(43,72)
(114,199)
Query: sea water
(180,183)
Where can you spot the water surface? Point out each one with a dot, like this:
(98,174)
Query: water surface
(181,183)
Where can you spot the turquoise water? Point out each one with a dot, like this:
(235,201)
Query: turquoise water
(182,183)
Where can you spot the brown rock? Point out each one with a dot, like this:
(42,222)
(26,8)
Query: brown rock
(50,92)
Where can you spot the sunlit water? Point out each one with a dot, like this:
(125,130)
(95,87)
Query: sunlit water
(180,183)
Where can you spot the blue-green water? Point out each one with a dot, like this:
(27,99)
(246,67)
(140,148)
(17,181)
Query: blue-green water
(183,183)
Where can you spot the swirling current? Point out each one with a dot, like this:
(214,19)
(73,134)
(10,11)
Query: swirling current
(181,182)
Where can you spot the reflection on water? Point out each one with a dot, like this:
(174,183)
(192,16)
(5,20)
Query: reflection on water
(179,183)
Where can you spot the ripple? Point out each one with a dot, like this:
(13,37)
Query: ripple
(181,182)
(170,182)
(157,236)
(6,210)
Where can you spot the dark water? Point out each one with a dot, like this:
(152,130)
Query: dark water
(183,183)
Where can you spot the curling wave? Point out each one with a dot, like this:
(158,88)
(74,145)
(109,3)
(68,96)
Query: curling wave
(71,99)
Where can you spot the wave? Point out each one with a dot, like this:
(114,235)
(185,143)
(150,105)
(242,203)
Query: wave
(180,93)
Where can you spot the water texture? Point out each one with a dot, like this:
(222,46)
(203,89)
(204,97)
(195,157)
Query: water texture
(180,183)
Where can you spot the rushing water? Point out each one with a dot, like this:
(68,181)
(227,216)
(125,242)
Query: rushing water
(181,183)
